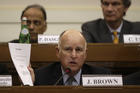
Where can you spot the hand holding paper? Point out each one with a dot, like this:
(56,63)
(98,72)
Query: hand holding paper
(20,54)
(32,73)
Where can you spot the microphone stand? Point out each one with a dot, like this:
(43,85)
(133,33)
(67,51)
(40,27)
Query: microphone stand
(67,70)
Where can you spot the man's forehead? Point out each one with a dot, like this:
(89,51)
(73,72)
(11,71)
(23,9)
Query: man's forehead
(73,47)
(33,13)
(33,17)
(73,42)
(72,37)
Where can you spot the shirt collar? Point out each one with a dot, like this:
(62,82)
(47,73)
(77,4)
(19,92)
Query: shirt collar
(76,76)
(118,29)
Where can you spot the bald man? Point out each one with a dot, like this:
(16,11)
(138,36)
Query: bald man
(72,52)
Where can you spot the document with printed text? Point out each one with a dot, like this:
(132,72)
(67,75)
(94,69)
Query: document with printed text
(20,54)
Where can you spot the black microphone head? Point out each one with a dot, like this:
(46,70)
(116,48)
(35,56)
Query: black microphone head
(67,70)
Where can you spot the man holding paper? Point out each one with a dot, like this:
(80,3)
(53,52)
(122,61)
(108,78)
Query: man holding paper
(20,54)
(72,52)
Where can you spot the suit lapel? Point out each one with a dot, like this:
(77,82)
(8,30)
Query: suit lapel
(57,75)
(126,29)
(105,34)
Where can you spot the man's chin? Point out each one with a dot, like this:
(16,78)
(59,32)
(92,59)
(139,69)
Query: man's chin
(110,19)
(33,40)
(74,69)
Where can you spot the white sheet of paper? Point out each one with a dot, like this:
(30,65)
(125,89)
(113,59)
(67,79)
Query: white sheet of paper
(20,54)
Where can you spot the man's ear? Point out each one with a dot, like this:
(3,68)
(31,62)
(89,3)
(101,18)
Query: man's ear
(45,27)
(86,53)
(45,24)
(125,10)
(57,51)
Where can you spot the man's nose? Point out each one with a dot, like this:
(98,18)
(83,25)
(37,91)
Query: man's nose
(31,26)
(110,7)
(73,54)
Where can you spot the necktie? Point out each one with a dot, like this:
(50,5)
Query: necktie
(70,80)
(116,39)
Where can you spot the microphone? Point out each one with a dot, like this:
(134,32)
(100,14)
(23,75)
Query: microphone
(67,71)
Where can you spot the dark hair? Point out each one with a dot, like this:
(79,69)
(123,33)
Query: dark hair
(35,6)
(126,3)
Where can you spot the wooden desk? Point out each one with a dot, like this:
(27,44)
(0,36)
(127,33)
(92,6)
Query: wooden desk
(120,58)
(96,52)
(64,89)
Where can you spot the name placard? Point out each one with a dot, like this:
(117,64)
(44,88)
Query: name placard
(131,38)
(48,39)
(102,80)
(5,80)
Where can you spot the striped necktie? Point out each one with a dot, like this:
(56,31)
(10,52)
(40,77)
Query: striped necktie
(70,80)
(116,39)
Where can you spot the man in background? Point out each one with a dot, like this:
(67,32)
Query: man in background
(111,29)
(36,21)
(113,25)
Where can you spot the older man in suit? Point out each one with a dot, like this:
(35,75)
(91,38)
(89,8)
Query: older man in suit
(72,52)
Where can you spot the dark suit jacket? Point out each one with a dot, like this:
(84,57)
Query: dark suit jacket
(132,79)
(96,31)
(50,74)
(3,69)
